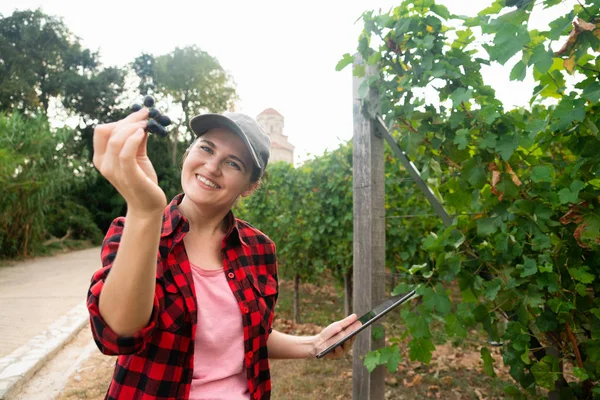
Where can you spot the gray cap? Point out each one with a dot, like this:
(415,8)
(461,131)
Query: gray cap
(257,141)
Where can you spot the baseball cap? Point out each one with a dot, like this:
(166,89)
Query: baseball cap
(257,141)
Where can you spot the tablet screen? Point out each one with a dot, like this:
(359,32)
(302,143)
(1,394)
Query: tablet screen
(372,316)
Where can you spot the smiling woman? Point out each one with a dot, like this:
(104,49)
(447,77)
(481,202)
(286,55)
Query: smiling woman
(187,292)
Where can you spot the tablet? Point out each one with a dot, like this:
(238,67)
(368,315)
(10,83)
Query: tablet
(372,316)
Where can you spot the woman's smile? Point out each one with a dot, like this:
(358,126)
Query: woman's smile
(207,182)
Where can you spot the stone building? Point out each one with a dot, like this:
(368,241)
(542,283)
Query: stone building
(272,123)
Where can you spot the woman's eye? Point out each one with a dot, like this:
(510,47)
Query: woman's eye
(207,149)
(234,165)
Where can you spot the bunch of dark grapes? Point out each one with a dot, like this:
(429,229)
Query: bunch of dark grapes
(156,122)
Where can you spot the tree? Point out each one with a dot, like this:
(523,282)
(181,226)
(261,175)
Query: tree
(40,59)
(188,78)
(36,174)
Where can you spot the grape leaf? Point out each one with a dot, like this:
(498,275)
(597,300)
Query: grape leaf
(488,362)
(519,71)
(582,275)
(529,267)
(372,360)
(421,350)
(542,173)
(346,60)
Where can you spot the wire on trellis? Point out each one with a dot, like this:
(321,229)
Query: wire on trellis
(432,215)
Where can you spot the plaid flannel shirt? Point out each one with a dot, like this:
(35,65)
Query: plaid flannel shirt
(157,362)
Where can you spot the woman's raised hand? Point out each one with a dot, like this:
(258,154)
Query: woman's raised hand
(120,156)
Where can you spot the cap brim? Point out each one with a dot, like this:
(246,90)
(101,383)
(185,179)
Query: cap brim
(202,123)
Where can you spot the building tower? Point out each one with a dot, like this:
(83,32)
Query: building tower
(272,123)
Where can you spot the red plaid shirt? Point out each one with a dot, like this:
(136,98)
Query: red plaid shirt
(158,361)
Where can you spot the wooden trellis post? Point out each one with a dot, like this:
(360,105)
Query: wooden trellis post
(369,238)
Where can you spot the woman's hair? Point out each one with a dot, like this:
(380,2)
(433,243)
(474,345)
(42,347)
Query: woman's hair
(256,176)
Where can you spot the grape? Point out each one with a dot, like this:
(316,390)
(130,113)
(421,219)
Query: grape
(156,121)
(148,101)
(164,120)
(162,131)
(154,113)
(154,127)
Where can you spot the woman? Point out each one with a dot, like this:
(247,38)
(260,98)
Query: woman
(187,292)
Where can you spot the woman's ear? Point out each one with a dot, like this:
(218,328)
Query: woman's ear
(251,188)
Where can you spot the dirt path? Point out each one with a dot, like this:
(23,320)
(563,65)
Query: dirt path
(35,293)
(51,380)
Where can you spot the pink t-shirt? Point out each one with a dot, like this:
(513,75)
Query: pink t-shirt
(219,372)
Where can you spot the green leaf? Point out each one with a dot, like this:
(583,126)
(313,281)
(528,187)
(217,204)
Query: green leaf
(401,288)
(462,138)
(377,332)
(567,112)
(417,325)
(581,289)
(560,25)
(547,321)
(529,267)
(541,59)
(346,60)
(543,173)
(580,274)
(488,141)
(372,360)
(546,372)
(468,296)
(454,327)
(559,306)
(540,241)
(421,350)
(476,176)
(440,10)
(391,357)
(487,226)
(488,362)
(519,72)
(492,288)
(571,195)
(580,373)
(461,95)
(359,71)
(592,92)
(509,40)
(507,145)
(512,390)
(495,8)
(437,301)
(548,281)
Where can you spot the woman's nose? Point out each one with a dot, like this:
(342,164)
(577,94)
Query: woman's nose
(212,165)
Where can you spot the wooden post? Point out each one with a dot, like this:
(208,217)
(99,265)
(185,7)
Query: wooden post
(369,239)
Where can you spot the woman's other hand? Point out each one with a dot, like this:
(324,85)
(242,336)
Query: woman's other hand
(335,332)
(121,157)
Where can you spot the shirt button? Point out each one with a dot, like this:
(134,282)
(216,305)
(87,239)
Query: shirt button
(250,354)
(245,309)
(230,275)
(256,395)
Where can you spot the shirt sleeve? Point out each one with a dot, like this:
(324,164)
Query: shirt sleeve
(106,339)
(273,284)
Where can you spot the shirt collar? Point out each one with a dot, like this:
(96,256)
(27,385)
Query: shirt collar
(172,218)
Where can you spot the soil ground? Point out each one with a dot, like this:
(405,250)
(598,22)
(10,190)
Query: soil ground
(455,372)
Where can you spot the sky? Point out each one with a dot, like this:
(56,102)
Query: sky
(281,54)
